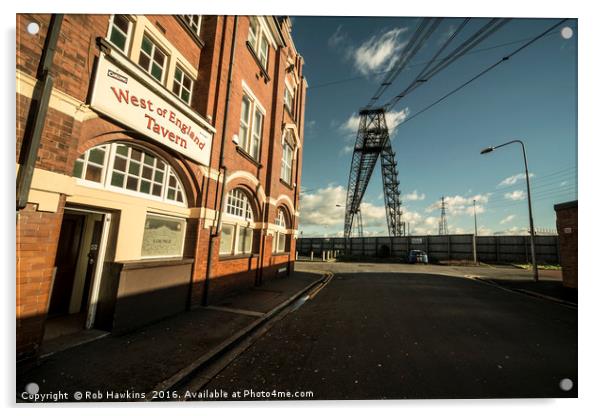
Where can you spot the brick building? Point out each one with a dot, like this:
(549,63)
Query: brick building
(568,239)
(158,165)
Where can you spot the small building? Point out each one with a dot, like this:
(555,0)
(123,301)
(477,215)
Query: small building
(566,224)
(158,162)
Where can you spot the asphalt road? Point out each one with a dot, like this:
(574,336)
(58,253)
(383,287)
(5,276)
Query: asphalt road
(379,335)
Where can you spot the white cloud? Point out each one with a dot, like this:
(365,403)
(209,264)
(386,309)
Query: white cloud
(515,195)
(347,149)
(511,180)
(337,37)
(563,183)
(320,208)
(379,53)
(459,205)
(392,118)
(413,196)
(507,219)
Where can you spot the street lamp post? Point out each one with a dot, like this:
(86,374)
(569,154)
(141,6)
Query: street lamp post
(474,238)
(532,229)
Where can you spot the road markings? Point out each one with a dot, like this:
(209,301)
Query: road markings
(235,310)
(313,293)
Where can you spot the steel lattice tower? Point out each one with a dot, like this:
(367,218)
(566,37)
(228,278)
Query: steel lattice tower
(373,141)
(443,219)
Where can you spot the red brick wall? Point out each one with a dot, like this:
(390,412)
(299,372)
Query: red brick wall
(64,139)
(37,240)
(566,225)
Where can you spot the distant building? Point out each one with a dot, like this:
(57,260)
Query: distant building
(167,170)
(568,239)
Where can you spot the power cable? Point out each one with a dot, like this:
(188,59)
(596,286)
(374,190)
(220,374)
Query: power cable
(483,33)
(376,73)
(480,74)
(424,31)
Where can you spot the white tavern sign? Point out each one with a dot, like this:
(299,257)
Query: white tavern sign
(122,97)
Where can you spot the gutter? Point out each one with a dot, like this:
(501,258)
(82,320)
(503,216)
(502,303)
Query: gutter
(37,113)
(217,228)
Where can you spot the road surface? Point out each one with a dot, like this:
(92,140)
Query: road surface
(375,332)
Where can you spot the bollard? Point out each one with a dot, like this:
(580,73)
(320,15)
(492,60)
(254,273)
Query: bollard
(323,255)
(296,255)
(311,255)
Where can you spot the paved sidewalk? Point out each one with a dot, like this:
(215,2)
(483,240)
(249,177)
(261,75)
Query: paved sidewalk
(549,289)
(138,361)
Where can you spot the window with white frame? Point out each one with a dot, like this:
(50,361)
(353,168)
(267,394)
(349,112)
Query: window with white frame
(253,30)
(152,59)
(289,96)
(193,21)
(182,85)
(251,127)
(120,30)
(123,168)
(286,166)
(237,228)
(280,242)
(258,41)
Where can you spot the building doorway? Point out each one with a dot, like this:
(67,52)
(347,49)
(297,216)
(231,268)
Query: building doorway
(77,272)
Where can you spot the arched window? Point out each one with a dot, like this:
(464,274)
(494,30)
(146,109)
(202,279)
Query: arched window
(128,169)
(280,243)
(237,226)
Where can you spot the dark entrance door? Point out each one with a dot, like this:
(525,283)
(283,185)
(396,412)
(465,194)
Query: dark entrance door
(66,261)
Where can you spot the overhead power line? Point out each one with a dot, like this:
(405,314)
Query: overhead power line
(424,31)
(486,70)
(376,73)
(430,71)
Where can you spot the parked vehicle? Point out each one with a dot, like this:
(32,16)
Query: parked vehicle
(418,256)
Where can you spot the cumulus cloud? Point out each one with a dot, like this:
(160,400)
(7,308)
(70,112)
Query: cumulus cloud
(413,196)
(507,219)
(459,205)
(337,37)
(379,53)
(511,180)
(392,118)
(515,195)
(320,207)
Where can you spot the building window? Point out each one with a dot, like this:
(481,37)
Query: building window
(253,31)
(237,229)
(182,85)
(152,59)
(286,168)
(163,236)
(238,205)
(280,242)
(122,168)
(289,96)
(263,51)
(91,165)
(193,21)
(120,28)
(251,127)
(258,41)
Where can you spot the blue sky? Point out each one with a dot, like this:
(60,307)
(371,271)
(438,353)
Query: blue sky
(532,96)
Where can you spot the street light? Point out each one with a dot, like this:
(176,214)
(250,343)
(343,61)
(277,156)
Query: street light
(532,229)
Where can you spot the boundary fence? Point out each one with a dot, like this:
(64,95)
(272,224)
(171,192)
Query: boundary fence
(493,249)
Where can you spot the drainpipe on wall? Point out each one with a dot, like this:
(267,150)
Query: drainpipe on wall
(217,228)
(37,113)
